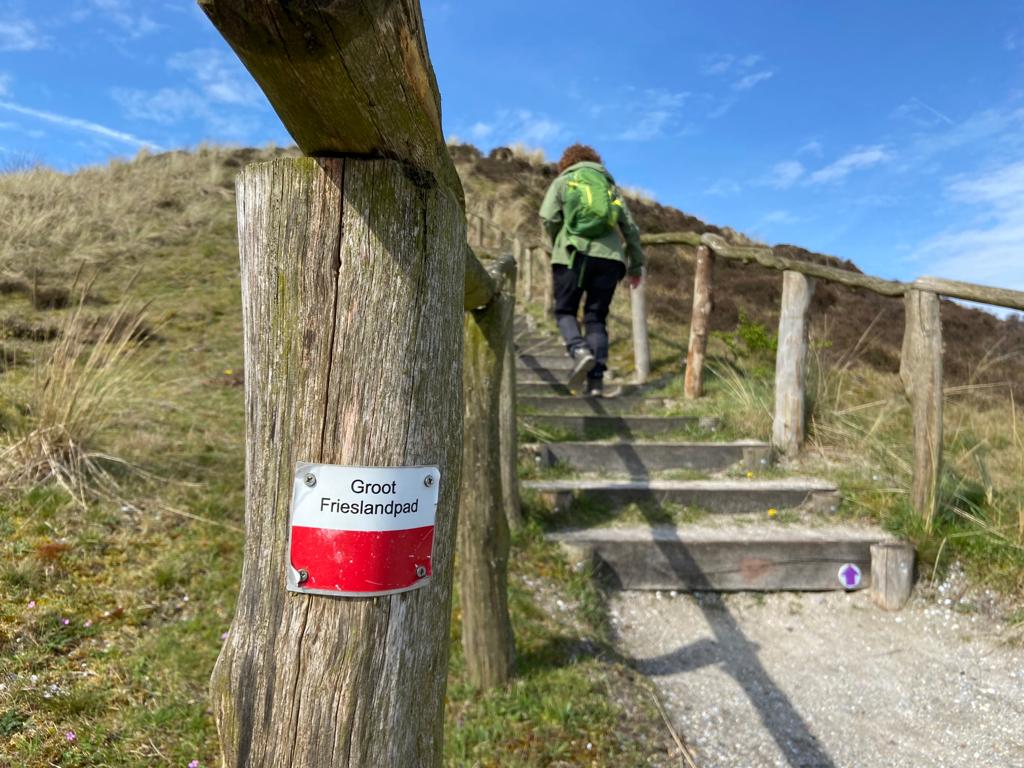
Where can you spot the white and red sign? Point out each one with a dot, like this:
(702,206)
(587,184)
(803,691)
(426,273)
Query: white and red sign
(361,531)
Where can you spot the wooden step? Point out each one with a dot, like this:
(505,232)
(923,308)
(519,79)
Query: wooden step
(579,405)
(535,362)
(711,558)
(640,459)
(717,496)
(558,389)
(542,347)
(598,426)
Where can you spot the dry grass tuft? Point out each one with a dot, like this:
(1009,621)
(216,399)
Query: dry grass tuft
(79,391)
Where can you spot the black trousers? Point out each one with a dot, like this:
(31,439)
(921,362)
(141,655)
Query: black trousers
(595,289)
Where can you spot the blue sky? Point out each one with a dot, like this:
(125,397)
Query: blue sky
(890,133)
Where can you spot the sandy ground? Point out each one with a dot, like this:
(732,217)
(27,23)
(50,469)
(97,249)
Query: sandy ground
(828,680)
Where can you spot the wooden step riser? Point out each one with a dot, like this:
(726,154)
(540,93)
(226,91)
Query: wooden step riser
(558,389)
(723,501)
(542,363)
(597,427)
(729,566)
(586,406)
(640,459)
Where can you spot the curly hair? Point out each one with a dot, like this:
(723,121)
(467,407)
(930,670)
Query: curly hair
(577,153)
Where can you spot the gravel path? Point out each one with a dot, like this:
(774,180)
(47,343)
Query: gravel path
(827,680)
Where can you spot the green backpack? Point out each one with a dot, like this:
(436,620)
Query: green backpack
(591,206)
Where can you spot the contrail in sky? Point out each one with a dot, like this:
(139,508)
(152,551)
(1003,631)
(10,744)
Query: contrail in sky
(78,123)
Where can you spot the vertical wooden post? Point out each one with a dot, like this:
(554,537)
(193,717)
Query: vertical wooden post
(352,283)
(549,282)
(483,539)
(892,574)
(528,275)
(700,322)
(641,349)
(509,424)
(517,255)
(921,372)
(788,428)
(478,230)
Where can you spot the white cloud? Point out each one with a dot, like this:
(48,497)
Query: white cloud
(532,129)
(922,114)
(723,188)
(648,126)
(20,35)
(785,174)
(989,250)
(718,64)
(78,124)
(124,15)
(651,114)
(165,106)
(812,148)
(5,83)
(749,81)
(779,217)
(479,130)
(221,78)
(844,166)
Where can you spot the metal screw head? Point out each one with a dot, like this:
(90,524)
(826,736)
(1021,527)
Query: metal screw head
(428,481)
(421,571)
(309,479)
(303,575)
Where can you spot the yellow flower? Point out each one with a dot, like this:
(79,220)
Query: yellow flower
(773,512)
(228,371)
(750,474)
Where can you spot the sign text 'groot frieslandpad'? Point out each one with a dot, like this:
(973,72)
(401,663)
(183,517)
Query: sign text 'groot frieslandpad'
(361,531)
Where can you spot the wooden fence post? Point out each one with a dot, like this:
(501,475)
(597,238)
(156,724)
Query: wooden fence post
(921,372)
(354,278)
(341,334)
(788,428)
(641,349)
(528,275)
(700,322)
(483,539)
(549,285)
(509,425)
(892,574)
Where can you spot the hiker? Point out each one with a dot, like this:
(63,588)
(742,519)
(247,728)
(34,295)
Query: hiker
(588,220)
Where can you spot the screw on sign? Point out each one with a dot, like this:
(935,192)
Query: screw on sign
(849,576)
(361,531)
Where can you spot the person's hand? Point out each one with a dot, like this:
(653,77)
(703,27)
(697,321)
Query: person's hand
(635,280)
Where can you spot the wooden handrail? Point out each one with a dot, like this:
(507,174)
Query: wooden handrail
(767,257)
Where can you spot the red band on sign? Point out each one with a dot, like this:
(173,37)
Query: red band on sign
(362,561)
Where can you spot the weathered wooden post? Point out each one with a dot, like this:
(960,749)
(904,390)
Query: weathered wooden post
(641,349)
(892,574)
(527,273)
(788,428)
(700,322)
(549,284)
(483,539)
(509,423)
(353,274)
(921,372)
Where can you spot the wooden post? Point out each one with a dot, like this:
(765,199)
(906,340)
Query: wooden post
(483,538)
(354,275)
(892,574)
(788,428)
(509,424)
(517,256)
(549,282)
(343,332)
(528,276)
(641,349)
(700,322)
(921,372)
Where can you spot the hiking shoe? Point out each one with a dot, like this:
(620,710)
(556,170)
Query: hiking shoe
(595,388)
(585,362)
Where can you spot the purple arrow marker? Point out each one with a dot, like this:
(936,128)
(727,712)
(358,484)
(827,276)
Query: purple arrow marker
(849,576)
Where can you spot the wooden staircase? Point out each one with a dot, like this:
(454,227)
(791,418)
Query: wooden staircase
(609,474)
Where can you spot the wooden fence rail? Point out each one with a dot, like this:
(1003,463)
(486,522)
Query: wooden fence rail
(921,362)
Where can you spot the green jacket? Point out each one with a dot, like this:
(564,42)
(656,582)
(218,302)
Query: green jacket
(609,246)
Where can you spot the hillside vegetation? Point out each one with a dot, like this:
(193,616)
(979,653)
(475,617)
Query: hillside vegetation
(122,465)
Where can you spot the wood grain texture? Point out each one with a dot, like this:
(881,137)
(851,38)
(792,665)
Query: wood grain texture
(509,424)
(351,278)
(346,78)
(788,427)
(641,347)
(671,238)
(892,574)
(700,323)
(527,273)
(483,539)
(921,373)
